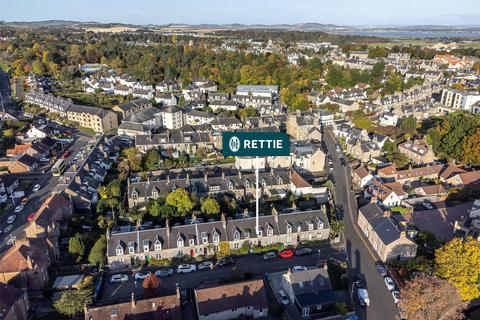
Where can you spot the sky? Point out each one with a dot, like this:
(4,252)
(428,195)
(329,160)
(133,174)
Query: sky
(339,12)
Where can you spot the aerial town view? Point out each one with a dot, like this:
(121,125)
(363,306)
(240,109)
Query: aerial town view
(216,160)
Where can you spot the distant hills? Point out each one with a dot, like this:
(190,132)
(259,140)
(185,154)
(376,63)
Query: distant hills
(307,27)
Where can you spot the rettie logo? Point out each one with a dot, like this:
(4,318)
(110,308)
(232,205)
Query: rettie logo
(234,144)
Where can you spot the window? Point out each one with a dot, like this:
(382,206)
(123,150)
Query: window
(236,245)
(158,246)
(236,235)
(146,246)
(310,225)
(114,312)
(191,242)
(204,238)
(260,233)
(131,249)
(155,193)
(289,239)
(269,231)
(134,195)
(119,250)
(154,305)
(289,229)
(180,243)
(158,256)
(320,224)
(216,237)
(299,229)
(305,312)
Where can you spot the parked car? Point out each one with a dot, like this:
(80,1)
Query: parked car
(142,275)
(7,229)
(363,298)
(389,283)
(119,278)
(283,297)
(303,251)
(299,268)
(18,194)
(18,209)
(31,216)
(427,205)
(206,265)
(36,188)
(44,159)
(186,268)
(381,269)
(269,255)
(11,219)
(66,154)
(165,272)
(286,253)
(225,262)
(24,201)
(396,296)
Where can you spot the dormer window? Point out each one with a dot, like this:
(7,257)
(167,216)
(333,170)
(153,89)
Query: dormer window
(310,225)
(236,235)
(114,313)
(154,193)
(191,242)
(131,248)
(246,234)
(247,184)
(263,182)
(158,245)
(320,224)
(134,195)
(269,231)
(180,242)
(289,228)
(260,232)
(204,238)
(119,250)
(146,246)
(299,228)
(216,237)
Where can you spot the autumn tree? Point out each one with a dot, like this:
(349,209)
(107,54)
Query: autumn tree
(426,297)
(210,207)
(152,159)
(181,200)
(134,158)
(471,149)
(458,262)
(76,247)
(151,282)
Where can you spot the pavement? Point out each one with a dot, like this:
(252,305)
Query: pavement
(249,263)
(361,256)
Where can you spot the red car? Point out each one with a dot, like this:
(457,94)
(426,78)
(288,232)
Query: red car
(285,254)
(31,216)
(66,154)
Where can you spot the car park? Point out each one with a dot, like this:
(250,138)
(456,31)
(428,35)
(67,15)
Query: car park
(165,272)
(18,209)
(299,269)
(142,275)
(389,283)
(7,229)
(269,255)
(286,253)
(283,297)
(225,262)
(186,268)
(11,219)
(381,269)
(396,296)
(303,251)
(36,188)
(206,265)
(119,278)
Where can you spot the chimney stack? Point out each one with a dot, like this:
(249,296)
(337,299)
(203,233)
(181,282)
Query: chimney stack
(224,221)
(167,226)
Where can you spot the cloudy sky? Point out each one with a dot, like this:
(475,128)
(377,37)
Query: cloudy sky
(340,12)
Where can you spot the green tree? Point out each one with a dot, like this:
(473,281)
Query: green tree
(76,247)
(71,302)
(136,215)
(458,262)
(248,112)
(181,200)
(97,253)
(210,207)
(134,158)
(408,124)
(152,159)
(362,123)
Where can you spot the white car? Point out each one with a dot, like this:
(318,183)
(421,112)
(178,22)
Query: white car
(283,297)
(44,159)
(186,268)
(389,283)
(119,278)
(18,209)
(11,219)
(269,255)
(165,272)
(396,296)
(427,205)
(36,188)
(7,229)
(299,269)
(205,265)
(142,275)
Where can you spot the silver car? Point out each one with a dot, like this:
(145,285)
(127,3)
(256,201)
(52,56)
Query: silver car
(165,272)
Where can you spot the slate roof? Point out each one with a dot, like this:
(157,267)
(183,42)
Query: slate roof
(142,116)
(383,226)
(10,295)
(143,103)
(88,110)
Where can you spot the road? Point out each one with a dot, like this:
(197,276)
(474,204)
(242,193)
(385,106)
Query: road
(48,183)
(250,263)
(360,254)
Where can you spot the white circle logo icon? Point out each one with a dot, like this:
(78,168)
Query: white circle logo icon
(234,144)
